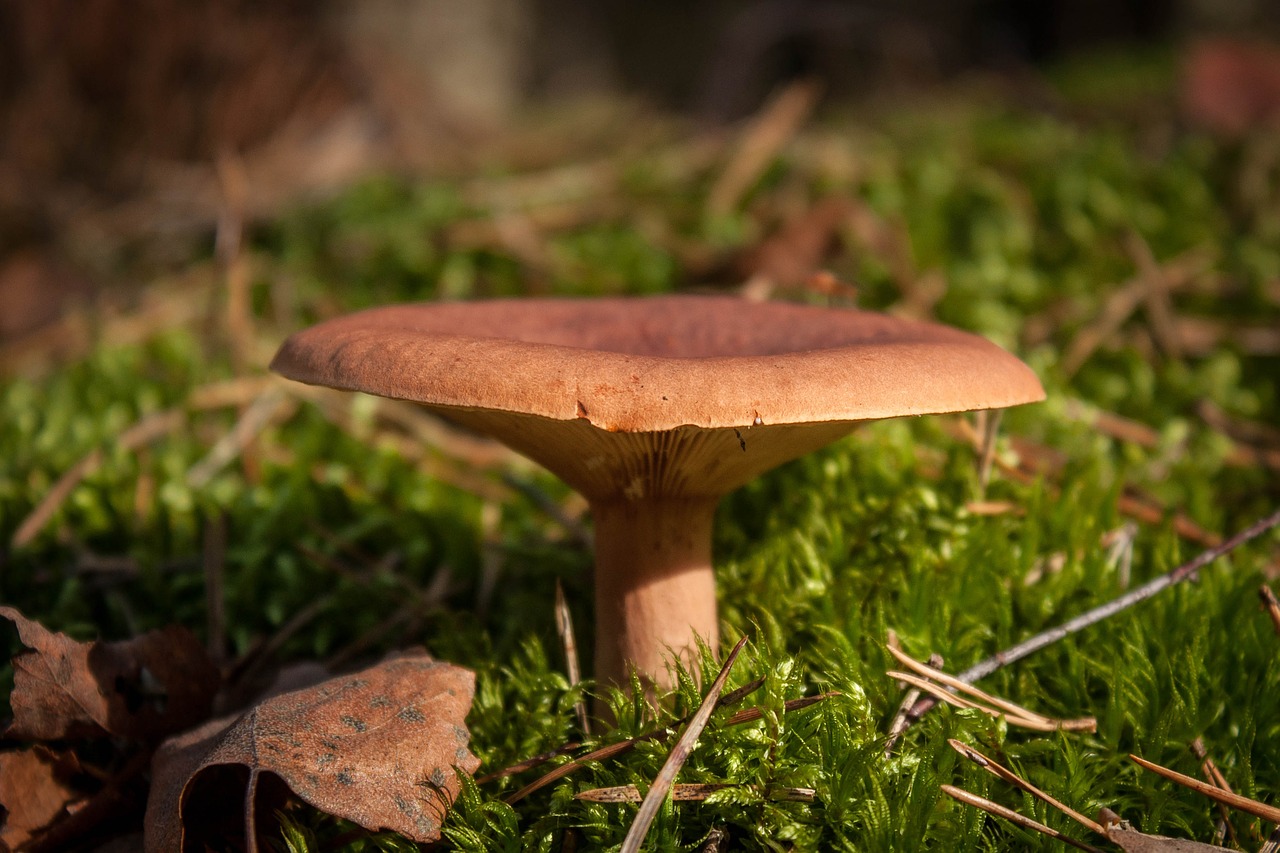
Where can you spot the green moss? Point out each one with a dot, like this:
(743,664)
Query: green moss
(1030,219)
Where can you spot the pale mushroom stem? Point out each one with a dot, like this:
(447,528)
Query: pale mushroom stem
(655,590)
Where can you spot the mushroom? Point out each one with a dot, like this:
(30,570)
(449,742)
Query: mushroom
(653,409)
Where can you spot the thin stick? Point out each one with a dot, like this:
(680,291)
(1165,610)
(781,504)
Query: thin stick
(679,754)
(1272,604)
(571,522)
(564,624)
(767,134)
(233,183)
(1244,804)
(1121,304)
(968,689)
(750,715)
(694,792)
(1037,725)
(1091,617)
(1017,781)
(1210,770)
(901,719)
(1156,295)
(148,429)
(601,754)
(528,763)
(252,421)
(989,428)
(1013,817)
(746,715)
(736,695)
(254,659)
(725,701)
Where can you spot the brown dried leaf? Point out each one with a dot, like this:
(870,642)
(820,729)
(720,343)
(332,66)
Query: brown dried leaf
(376,747)
(1132,841)
(35,789)
(144,688)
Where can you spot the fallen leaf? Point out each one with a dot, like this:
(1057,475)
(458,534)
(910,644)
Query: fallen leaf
(1132,841)
(378,747)
(144,688)
(35,789)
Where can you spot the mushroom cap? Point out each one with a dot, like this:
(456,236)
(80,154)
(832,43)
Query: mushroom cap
(554,377)
(654,364)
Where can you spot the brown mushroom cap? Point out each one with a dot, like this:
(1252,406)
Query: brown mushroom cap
(654,408)
(647,365)
(673,395)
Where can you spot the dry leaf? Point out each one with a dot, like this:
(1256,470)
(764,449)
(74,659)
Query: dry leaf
(35,789)
(376,747)
(1132,841)
(144,688)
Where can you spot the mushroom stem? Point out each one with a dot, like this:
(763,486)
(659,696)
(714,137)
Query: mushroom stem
(655,589)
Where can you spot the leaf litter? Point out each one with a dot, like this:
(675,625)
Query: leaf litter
(36,787)
(378,747)
(142,689)
(381,747)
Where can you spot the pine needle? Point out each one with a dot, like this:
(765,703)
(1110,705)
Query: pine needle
(1010,815)
(667,775)
(1235,801)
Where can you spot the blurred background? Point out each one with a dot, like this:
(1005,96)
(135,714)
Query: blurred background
(128,128)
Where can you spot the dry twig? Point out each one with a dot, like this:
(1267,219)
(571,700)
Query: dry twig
(901,719)
(1215,777)
(1272,604)
(679,754)
(148,429)
(1156,295)
(766,135)
(1091,617)
(694,792)
(564,624)
(272,405)
(993,705)
(1184,572)
(612,750)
